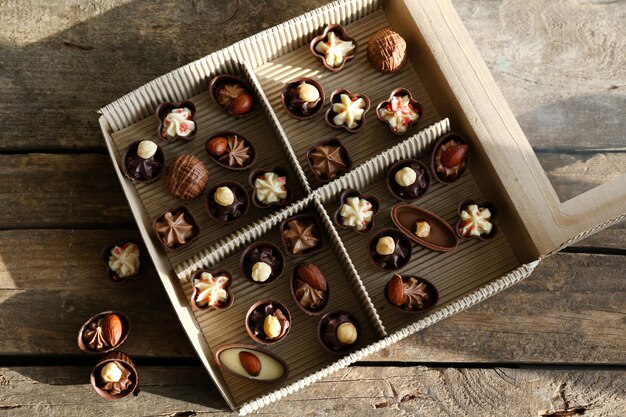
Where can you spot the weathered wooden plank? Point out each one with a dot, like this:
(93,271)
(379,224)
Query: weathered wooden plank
(82,191)
(52,280)
(364,391)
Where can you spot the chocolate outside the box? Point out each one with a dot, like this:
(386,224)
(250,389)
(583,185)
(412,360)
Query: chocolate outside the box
(432,292)
(441,239)
(158,163)
(344,154)
(289,98)
(351,192)
(327,331)
(494,212)
(226,134)
(400,256)
(312,312)
(189,217)
(253,348)
(335,97)
(231,297)
(433,161)
(413,191)
(262,251)
(232,212)
(126,362)
(164,109)
(106,254)
(219,81)
(255,318)
(278,171)
(306,219)
(341,33)
(419,109)
(125,331)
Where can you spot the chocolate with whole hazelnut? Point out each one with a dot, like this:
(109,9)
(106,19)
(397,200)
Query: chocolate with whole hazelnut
(231,150)
(115,376)
(143,161)
(226,202)
(339,331)
(186,177)
(389,249)
(410,293)
(262,262)
(310,287)
(268,321)
(408,179)
(303,98)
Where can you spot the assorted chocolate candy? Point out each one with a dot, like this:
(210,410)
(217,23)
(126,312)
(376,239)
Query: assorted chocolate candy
(328,160)
(411,294)
(186,177)
(339,331)
(356,211)
(231,151)
(211,290)
(232,94)
(333,47)
(310,288)
(301,235)
(347,110)
(268,321)
(269,187)
(303,98)
(103,332)
(226,202)
(115,376)
(476,220)
(386,51)
(449,158)
(176,121)
(123,261)
(390,250)
(400,112)
(408,179)
(176,228)
(143,161)
(262,262)
(251,362)
(424,228)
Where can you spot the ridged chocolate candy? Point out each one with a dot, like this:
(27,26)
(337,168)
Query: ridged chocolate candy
(186,177)
(386,51)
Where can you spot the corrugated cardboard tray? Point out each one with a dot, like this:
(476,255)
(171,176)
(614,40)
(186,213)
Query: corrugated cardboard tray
(447,76)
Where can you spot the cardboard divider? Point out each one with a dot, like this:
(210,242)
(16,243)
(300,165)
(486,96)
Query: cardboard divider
(300,348)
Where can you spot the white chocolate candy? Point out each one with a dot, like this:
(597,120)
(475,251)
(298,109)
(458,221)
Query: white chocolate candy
(406,176)
(385,246)
(270,188)
(475,221)
(146,149)
(271,368)
(335,49)
(422,229)
(224,196)
(261,272)
(357,212)
(348,112)
(178,123)
(111,372)
(307,92)
(211,290)
(399,113)
(124,260)
(346,333)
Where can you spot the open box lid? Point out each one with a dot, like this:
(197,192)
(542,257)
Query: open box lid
(476,105)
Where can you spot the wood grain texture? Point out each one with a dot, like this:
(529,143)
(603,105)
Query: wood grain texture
(570,297)
(364,391)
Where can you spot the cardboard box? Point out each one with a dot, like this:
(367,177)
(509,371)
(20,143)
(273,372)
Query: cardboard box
(447,75)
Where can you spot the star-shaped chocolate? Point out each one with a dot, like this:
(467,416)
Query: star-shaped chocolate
(301,236)
(174,229)
(327,162)
(238,152)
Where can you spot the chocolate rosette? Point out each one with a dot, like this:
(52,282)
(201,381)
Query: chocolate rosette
(104,332)
(166,108)
(477,220)
(411,294)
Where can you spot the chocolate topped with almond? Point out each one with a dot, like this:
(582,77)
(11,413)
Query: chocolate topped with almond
(411,294)
(450,157)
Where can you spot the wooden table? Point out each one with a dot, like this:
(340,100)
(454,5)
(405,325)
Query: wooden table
(556,341)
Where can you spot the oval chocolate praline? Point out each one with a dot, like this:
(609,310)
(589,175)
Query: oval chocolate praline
(398,258)
(411,294)
(230,212)
(444,168)
(265,366)
(416,189)
(91,334)
(310,288)
(256,320)
(442,238)
(231,150)
(267,253)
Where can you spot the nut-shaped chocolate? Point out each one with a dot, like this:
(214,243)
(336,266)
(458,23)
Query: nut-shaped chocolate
(217,146)
(112,328)
(312,275)
(186,177)
(250,363)
(386,51)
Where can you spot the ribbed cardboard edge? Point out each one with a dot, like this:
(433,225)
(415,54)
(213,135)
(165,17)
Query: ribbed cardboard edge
(464,303)
(277,127)
(191,79)
(414,147)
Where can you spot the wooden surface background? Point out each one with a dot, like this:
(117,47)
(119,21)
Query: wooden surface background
(557,341)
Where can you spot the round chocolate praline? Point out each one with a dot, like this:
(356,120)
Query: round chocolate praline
(413,191)
(328,160)
(255,320)
(129,374)
(265,252)
(230,212)
(400,256)
(295,105)
(327,331)
(142,170)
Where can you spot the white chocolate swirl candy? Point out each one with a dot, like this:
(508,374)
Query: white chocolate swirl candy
(335,49)
(475,221)
(356,212)
(211,290)
(270,188)
(348,112)
(178,123)
(124,260)
(399,113)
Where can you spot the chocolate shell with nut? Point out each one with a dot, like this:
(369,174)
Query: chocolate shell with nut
(336,338)
(104,332)
(119,251)
(400,112)
(262,263)
(114,376)
(390,250)
(166,108)
(411,294)
(348,115)
(333,46)
(367,224)
(408,179)
(231,150)
(212,287)
(232,95)
(302,98)
(225,206)
(328,160)
(424,228)
(139,169)
(251,362)
(310,288)
(176,228)
(477,221)
(450,157)
(268,322)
